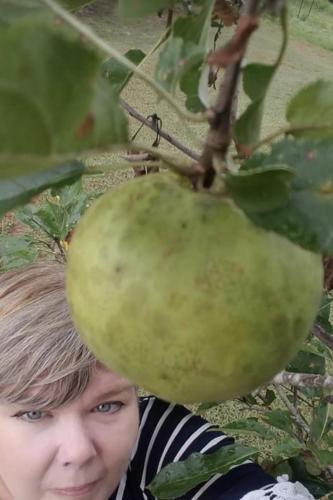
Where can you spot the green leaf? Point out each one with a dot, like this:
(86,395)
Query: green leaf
(311,464)
(280,419)
(269,397)
(74,201)
(325,457)
(175,61)
(49,116)
(260,189)
(176,479)
(256,80)
(21,189)
(25,215)
(328,436)
(317,487)
(307,362)
(16,251)
(313,344)
(248,426)
(116,73)
(313,107)
(311,392)
(287,448)
(194,28)
(190,83)
(61,211)
(52,219)
(319,421)
(135,8)
(182,59)
(281,468)
(307,218)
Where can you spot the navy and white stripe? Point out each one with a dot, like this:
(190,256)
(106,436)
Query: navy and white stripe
(169,433)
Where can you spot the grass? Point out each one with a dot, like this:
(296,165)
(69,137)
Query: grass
(303,63)
(308,58)
(313,25)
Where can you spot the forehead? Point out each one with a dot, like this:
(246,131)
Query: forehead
(103,383)
(103,379)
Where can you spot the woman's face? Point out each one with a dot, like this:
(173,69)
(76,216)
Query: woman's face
(88,440)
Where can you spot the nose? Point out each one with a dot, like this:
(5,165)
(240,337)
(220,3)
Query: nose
(76,443)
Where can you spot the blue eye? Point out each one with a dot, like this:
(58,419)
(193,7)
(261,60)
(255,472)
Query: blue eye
(35,413)
(109,405)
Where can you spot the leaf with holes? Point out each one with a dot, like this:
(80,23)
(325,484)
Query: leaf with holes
(307,217)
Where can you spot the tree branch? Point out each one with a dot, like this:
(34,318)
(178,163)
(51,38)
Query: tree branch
(152,125)
(322,335)
(220,118)
(295,415)
(304,380)
(193,170)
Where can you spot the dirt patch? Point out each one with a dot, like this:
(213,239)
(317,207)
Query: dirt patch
(10,225)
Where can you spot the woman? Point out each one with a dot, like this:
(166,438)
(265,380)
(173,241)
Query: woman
(72,428)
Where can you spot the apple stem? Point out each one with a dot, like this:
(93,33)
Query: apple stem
(222,114)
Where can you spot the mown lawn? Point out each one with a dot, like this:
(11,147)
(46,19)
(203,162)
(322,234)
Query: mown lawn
(304,63)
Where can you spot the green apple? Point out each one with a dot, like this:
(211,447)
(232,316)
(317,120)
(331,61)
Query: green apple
(180,292)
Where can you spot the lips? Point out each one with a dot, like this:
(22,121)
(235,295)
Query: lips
(76,490)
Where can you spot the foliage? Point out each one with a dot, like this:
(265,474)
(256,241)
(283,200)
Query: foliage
(60,99)
(48,226)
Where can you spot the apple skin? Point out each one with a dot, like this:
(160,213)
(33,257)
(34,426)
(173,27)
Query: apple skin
(181,293)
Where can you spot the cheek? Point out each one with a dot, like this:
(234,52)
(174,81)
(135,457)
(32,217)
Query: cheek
(23,461)
(121,440)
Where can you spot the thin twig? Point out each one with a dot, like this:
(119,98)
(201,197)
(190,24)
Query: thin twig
(319,332)
(152,125)
(295,414)
(191,170)
(288,131)
(299,398)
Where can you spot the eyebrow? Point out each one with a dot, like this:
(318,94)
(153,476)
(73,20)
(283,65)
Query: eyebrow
(113,392)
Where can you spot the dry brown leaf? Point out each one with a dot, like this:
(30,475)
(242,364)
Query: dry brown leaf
(225,11)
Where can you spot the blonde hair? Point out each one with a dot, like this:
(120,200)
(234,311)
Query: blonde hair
(43,361)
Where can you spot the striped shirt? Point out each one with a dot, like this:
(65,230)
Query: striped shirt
(169,433)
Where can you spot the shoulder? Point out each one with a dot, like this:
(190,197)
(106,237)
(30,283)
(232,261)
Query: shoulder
(170,432)
(169,425)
